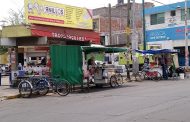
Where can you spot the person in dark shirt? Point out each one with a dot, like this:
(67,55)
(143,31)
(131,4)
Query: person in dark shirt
(163,62)
(43,61)
(146,62)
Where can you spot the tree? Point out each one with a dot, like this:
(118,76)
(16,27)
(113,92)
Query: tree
(15,17)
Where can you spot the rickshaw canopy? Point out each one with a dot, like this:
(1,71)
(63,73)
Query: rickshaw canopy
(67,60)
(159,51)
(89,49)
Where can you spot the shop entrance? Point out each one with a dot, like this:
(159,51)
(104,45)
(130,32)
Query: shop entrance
(21,58)
(181,55)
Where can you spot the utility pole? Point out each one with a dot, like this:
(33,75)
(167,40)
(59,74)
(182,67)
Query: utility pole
(134,40)
(128,21)
(110,29)
(144,27)
(186,38)
(128,38)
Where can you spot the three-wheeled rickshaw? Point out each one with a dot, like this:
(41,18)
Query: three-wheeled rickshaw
(70,63)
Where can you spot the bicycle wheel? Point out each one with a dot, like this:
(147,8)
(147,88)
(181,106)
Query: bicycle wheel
(25,89)
(157,76)
(144,75)
(113,81)
(141,76)
(138,76)
(63,88)
(42,87)
(119,79)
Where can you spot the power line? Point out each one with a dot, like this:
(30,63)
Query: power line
(158,2)
(164,4)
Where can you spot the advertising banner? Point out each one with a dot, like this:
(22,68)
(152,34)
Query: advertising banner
(175,33)
(50,13)
(66,33)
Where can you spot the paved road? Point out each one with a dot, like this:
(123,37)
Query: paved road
(164,101)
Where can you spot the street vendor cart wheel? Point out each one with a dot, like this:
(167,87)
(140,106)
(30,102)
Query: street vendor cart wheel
(63,88)
(119,79)
(42,87)
(113,81)
(25,89)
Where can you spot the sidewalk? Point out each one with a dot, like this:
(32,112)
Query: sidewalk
(6,92)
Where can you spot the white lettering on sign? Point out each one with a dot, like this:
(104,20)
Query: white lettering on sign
(68,36)
(158,35)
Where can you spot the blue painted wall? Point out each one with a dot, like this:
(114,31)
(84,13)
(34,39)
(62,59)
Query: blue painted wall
(165,8)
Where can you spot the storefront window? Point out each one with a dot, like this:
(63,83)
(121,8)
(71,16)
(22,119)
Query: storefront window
(157,18)
(183,14)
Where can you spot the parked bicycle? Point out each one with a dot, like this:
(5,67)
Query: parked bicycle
(138,76)
(42,85)
(60,86)
(35,85)
(151,74)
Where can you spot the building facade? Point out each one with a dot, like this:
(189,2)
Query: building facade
(119,12)
(47,23)
(165,27)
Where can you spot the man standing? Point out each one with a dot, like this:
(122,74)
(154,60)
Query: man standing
(146,62)
(163,62)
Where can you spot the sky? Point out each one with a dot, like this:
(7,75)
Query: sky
(6,5)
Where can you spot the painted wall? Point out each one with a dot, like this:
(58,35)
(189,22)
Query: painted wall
(171,33)
(170,21)
(163,44)
(4,59)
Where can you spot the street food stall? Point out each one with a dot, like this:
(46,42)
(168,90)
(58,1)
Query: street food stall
(162,62)
(70,63)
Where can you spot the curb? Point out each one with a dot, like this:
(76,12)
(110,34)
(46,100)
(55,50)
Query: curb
(12,97)
(9,97)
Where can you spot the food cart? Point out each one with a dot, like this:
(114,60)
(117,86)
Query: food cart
(157,55)
(69,62)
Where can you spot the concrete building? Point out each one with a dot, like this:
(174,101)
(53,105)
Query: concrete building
(118,22)
(165,27)
(3,52)
(32,42)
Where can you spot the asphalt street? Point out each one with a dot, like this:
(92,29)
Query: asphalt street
(149,101)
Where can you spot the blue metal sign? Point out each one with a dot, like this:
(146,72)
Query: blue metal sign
(177,33)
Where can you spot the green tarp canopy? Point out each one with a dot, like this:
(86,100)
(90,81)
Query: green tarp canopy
(88,49)
(66,60)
